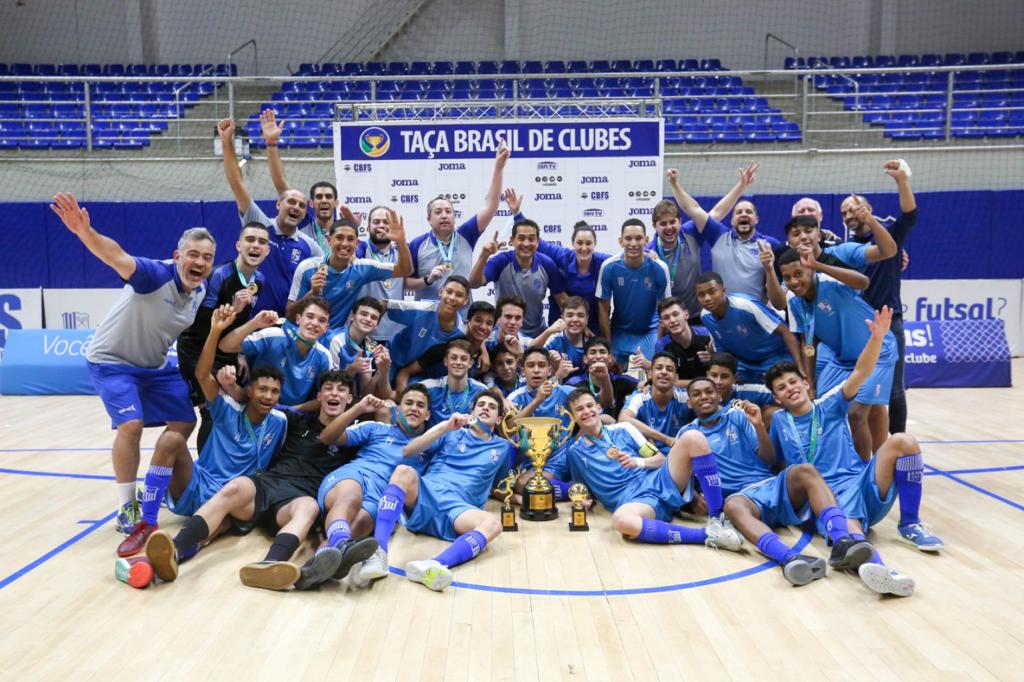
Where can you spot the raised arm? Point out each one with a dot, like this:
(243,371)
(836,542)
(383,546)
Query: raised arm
(434,433)
(765,449)
(272,129)
(226,130)
(772,286)
(907,201)
(232,343)
(222,317)
(884,246)
(477,278)
(689,205)
(868,357)
(334,433)
(76,219)
(403,266)
(851,278)
(493,198)
(726,203)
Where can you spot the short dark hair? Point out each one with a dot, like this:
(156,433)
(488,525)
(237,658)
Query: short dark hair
(630,222)
(701,378)
(343,222)
(323,183)
(477,307)
(533,351)
(801,221)
(710,276)
(369,302)
(510,299)
(318,301)
(664,206)
(336,376)
(458,279)
(527,223)
(789,256)
(665,356)
(266,371)
(723,359)
(254,225)
(495,395)
(666,303)
(378,207)
(458,344)
(578,393)
(418,388)
(439,197)
(596,341)
(778,369)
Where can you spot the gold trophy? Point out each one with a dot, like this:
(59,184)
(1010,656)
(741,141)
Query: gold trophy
(578,494)
(508,514)
(538,438)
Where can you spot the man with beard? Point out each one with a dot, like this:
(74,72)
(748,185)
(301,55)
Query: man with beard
(444,250)
(380,247)
(289,246)
(238,283)
(127,357)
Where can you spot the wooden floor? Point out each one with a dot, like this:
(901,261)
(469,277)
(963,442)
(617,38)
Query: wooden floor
(538,604)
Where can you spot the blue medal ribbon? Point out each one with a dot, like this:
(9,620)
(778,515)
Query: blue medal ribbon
(257,439)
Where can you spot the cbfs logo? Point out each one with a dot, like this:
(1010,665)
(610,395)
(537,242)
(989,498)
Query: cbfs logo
(946,309)
(358,168)
(374,142)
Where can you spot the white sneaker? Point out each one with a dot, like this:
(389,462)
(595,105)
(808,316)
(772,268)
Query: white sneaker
(374,568)
(885,580)
(722,535)
(430,573)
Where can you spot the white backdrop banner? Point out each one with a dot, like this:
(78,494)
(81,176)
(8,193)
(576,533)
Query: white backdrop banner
(20,309)
(602,171)
(967,299)
(77,308)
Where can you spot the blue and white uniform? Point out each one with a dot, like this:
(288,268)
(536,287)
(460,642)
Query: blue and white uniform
(393,289)
(747,330)
(127,356)
(464,469)
(667,421)
(444,402)
(837,317)
(380,451)
(531,285)
(634,293)
(421,330)
(552,407)
(496,339)
(576,283)
(755,393)
(428,252)
(342,287)
(852,479)
(279,266)
(613,485)
(561,344)
(235,447)
(737,260)
(279,347)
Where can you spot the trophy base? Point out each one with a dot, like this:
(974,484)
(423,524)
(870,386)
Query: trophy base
(538,506)
(508,520)
(578,523)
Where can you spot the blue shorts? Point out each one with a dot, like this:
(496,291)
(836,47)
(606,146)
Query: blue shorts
(771,497)
(876,389)
(658,490)
(198,492)
(625,343)
(860,498)
(558,464)
(372,484)
(436,509)
(156,396)
(748,372)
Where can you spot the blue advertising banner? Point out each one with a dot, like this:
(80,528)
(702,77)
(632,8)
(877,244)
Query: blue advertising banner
(956,353)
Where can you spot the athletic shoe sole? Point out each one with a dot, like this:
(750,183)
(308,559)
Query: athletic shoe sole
(881,580)
(161,555)
(923,548)
(355,553)
(269,575)
(434,577)
(319,569)
(856,556)
(801,571)
(367,574)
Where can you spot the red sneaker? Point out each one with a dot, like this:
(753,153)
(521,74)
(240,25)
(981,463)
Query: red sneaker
(136,540)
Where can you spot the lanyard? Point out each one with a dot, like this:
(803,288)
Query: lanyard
(293,333)
(320,240)
(463,399)
(601,440)
(812,446)
(446,256)
(675,258)
(246,284)
(807,313)
(257,439)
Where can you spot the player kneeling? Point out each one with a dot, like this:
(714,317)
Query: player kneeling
(467,462)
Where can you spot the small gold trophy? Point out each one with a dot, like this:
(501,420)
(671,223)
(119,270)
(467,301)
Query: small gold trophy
(578,493)
(538,438)
(508,514)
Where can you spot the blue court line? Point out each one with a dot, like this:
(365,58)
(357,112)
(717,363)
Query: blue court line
(95,525)
(801,543)
(56,474)
(978,470)
(60,449)
(976,488)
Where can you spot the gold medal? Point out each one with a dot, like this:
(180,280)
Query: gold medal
(253,288)
(388,283)
(447,265)
(322,269)
(809,350)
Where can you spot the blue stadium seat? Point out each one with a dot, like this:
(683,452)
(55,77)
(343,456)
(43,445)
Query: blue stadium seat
(600,66)
(975,58)
(464,68)
(577,66)
(622,65)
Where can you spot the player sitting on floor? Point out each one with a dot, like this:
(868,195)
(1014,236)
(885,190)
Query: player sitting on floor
(659,413)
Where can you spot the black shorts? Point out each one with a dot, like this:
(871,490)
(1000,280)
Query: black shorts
(273,493)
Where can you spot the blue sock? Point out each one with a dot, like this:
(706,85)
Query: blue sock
(388,510)
(661,533)
(465,547)
(561,490)
(155,485)
(705,468)
(338,532)
(834,521)
(772,546)
(908,487)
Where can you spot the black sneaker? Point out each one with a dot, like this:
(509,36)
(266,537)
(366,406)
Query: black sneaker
(319,569)
(848,554)
(353,552)
(802,569)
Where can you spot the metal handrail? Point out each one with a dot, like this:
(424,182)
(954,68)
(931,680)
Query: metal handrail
(771,36)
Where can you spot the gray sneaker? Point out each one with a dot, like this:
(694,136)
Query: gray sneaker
(722,535)
(802,569)
(319,569)
(885,580)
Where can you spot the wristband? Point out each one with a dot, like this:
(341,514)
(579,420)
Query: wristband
(648,449)
(640,462)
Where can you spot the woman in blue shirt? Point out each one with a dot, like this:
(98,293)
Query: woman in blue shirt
(579,266)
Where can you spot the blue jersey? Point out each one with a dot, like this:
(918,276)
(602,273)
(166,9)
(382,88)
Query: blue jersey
(444,403)
(755,393)
(380,449)
(836,317)
(834,455)
(421,331)
(609,482)
(668,421)
(733,439)
(561,344)
(747,330)
(343,287)
(237,447)
(428,252)
(634,293)
(278,347)
(468,467)
(523,396)
(344,350)
(582,284)
(496,340)
(279,266)
(853,254)
(531,285)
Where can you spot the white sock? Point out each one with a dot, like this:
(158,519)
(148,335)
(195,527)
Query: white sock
(125,493)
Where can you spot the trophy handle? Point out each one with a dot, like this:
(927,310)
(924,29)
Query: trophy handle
(565,430)
(508,424)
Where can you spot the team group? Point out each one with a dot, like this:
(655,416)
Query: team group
(325,397)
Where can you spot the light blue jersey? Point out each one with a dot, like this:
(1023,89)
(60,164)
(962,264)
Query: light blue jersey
(444,402)
(523,396)
(467,467)
(733,439)
(421,331)
(755,393)
(532,285)
(853,254)
(834,455)
(634,293)
(667,421)
(277,347)
(561,344)
(343,287)
(747,330)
